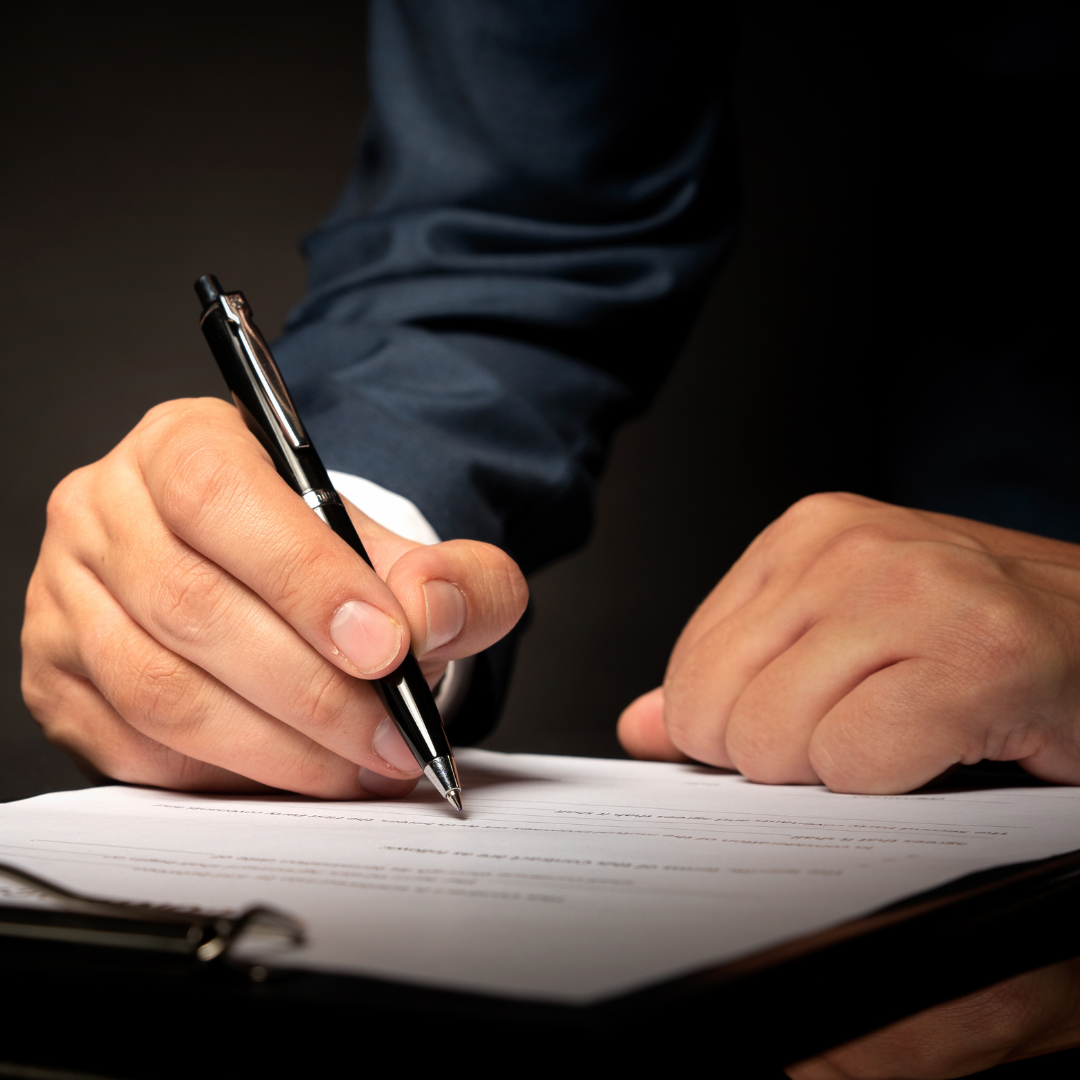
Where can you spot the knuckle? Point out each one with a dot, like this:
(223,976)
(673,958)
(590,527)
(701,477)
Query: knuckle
(328,697)
(822,506)
(69,730)
(164,691)
(166,426)
(68,502)
(293,581)
(840,772)
(57,701)
(190,448)
(885,568)
(40,690)
(164,421)
(36,606)
(41,678)
(693,732)
(993,630)
(676,714)
(193,597)
(753,755)
(309,772)
(811,519)
(860,545)
(165,413)
(195,479)
(679,731)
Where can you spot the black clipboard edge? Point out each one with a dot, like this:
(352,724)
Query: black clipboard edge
(804,996)
(771,1008)
(833,986)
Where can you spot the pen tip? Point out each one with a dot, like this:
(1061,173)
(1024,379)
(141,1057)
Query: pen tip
(453,797)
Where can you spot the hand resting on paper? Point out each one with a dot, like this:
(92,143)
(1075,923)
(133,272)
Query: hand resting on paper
(192,624)
(871,648)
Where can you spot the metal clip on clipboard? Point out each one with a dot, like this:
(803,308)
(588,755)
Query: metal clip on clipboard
(136,933)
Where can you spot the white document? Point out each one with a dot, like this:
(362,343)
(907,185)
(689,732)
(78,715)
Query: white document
(567,879)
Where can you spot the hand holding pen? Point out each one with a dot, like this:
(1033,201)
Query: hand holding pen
(192,624)
(268,411)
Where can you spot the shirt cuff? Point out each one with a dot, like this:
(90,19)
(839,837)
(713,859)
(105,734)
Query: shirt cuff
(390,510)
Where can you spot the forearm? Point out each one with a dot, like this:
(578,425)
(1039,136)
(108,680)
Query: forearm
(540,199)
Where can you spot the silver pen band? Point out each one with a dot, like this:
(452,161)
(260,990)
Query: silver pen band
(321,497)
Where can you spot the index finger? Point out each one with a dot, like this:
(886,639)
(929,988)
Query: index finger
(216,488)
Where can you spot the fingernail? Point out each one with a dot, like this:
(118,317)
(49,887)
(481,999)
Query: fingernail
(384,786)
(391,747)
(365,635)
(445,613)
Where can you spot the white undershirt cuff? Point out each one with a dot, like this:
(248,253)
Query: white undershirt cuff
(390,510)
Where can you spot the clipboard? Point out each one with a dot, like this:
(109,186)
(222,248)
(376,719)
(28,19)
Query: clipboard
(127,979)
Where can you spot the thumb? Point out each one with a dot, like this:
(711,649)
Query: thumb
(459,596)
(641,729)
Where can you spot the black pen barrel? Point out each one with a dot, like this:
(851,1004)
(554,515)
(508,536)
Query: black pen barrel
(268,411)
(295,458)
(405,691)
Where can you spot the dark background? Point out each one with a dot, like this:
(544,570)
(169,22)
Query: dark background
(144,147)
(903,166)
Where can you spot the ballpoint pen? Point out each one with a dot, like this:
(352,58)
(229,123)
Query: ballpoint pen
(267,409)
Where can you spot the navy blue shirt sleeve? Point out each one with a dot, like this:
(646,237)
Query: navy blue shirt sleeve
(541,195)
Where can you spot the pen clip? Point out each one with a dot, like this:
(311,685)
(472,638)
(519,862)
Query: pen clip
(237,311)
